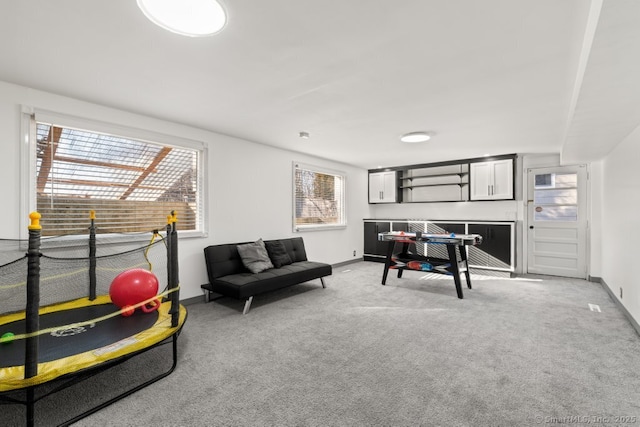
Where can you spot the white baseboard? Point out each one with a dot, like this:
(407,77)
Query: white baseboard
(615,299)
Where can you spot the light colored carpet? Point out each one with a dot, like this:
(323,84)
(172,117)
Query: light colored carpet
(514,352)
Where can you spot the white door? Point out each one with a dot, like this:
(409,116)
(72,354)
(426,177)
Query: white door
(557,221)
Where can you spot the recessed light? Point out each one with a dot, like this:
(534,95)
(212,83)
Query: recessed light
(194,18)
(414,137)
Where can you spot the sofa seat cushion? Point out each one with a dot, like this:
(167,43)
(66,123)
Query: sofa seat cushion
(244,285)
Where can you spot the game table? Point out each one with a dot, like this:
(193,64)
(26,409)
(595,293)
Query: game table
(408,260)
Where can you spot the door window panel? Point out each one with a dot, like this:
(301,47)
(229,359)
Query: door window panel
(556,213)
(555,197)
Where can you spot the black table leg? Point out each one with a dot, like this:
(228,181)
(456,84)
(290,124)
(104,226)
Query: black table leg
(463,258)
(387,261)
(451,250)
(403,254)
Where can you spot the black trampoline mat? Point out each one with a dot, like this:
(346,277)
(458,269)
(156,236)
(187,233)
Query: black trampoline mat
(68,342)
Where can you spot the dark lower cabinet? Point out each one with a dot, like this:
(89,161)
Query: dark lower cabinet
(440,251)
(495,250)
(375,250)
(399,226)
(446,228)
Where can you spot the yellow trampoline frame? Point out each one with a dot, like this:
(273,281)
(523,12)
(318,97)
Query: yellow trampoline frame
(13,378)
(171,316)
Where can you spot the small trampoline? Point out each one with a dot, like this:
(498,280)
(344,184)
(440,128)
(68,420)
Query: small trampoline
(71,339)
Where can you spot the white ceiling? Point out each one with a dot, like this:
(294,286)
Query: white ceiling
(488,77)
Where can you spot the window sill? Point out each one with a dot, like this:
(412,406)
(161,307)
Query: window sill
(301,228)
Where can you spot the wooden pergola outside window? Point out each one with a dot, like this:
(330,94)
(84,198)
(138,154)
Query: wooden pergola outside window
(131,184)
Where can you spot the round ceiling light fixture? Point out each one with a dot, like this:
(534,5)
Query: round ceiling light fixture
(193,18)
(414,137)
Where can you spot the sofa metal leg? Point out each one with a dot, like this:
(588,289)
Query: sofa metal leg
(207,296)
(322,281)
(247,305)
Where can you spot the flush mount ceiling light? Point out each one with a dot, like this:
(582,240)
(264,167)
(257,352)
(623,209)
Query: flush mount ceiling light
(194,18)
(414,137)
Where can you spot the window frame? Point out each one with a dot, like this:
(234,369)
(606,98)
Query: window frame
(31,115)
(343,198)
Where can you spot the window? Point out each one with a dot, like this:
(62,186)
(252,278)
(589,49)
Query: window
(318,198)
(132,184)
(556,197)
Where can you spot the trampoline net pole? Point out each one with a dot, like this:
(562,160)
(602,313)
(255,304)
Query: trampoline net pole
(92,258)
(174,276)
(168,248)
(32,311)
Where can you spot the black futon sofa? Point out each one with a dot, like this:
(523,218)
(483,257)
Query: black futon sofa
(228,275)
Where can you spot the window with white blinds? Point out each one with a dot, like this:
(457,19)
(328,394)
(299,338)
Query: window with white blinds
(318,198)
(131,184)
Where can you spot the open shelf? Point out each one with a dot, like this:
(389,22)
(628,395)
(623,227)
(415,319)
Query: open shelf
(448,183)
(459,184)
(460,174)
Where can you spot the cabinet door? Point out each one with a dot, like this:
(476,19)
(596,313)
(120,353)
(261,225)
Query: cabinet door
(495,250)
(382,187)
(492,180)
(502,171)
(446,228)
(376,186)
(390,187)
(440,251)
(480,180)
(371,244)
(500,252)
(399,226)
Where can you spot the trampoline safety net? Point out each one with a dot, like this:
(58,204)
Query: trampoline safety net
(65,267)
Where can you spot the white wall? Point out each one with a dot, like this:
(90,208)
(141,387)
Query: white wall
(620,210)
(504,210)
(249,185)
(595,219)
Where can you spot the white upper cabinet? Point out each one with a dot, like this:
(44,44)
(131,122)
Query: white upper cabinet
(492,180)
(382,187)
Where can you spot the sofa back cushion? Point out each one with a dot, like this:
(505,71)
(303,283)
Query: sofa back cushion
(222,260)
(254,256)
(278,253)
(295,249)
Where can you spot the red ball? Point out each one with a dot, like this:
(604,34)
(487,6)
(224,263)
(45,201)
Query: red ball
(132,287)
(128,310)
